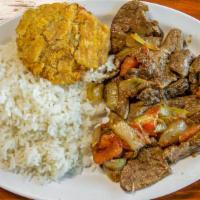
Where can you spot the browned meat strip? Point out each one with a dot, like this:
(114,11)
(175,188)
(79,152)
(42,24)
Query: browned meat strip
(177,88)
(173,42)
(154,95)
(148,168)
(195,116)
(195,67)
(194,75)
(177,152)
(190,103)
(150,96)
(129,19)
(180,62)
(193,78)
(165,77)
(154,64)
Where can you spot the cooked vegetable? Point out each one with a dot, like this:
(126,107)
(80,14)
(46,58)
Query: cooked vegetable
(188,133)
(140,40)
(146,122)
(154,110)
(164,111)
(113,118)
(172,133)
(129,62)
(129,154)
(111,95)
(131,42)
(150,128)
(175,153)
(154,102)
(170,114)
(115,164)
(128,134)
(136,109)
(143,119)
(160,127)
(114,175)
(141,132)
(132,86)
(115,101)
(109,147)
(124,53)
(95,92)
(167,111)
(178,112)
(126,145)
(123,107)
(96,136)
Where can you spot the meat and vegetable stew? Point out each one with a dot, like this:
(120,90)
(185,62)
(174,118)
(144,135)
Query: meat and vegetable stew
(154,101)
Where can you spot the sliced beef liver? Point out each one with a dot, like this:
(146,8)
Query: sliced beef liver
(180,62)
(129,19)
(178,152)
(155,65)
(173,42)
(195,67)
(154,95)
(148,168)
(194,75)
(190,103)
(177,88)
(150,96)
(195,116)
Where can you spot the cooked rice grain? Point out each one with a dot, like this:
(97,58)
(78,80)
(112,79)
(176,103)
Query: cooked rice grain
(44,128)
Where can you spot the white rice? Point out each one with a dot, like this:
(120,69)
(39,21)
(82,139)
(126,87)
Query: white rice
(44,128)
(102,72)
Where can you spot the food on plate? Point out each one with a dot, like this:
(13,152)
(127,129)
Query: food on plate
(194,75)
(180,62)
(131,18)
(61,41)
(65,103)
(148,168)
(177,152)
(154,101)
(45,128)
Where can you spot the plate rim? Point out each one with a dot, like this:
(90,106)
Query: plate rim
(4,23)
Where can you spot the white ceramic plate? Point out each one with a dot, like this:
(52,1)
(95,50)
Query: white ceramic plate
(94,185)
